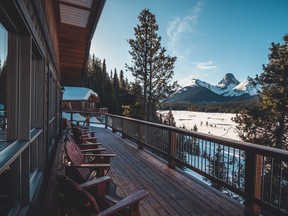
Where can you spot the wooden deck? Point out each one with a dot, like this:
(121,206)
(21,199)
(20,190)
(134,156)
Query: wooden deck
(172,192)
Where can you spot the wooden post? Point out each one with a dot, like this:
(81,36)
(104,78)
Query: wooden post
(140,136)
(172,150)
(252,183)
(71,117)
(123,129)
(106,121)
(113,125)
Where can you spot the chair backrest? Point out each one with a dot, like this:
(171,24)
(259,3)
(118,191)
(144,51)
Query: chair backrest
(77,148)
(76,158)
(70,138)
(77,135)
(75,196)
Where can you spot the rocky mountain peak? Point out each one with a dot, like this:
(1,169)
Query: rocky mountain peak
(228,80)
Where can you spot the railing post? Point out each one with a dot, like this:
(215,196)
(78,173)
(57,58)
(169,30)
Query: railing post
(172,150)
(140,136)
(71,117)
(106,121)
(113,125)
(124,130)
(252,183)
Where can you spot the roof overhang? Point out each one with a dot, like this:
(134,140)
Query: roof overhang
(76,24)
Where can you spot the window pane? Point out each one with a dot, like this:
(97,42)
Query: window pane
(5,191)
(3,83)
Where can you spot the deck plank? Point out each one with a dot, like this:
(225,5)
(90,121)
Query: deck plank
(172,192)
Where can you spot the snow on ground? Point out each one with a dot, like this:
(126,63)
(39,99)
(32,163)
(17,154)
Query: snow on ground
(217,124)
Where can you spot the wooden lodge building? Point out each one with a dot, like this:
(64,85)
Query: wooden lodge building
(43,46)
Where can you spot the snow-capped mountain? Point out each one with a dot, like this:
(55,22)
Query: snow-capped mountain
(229,88)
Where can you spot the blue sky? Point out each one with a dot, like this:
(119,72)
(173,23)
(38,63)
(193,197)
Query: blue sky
(209,37)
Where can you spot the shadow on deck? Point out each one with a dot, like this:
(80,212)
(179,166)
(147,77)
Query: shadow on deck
(172,192)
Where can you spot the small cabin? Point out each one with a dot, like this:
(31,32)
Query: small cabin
(79,98)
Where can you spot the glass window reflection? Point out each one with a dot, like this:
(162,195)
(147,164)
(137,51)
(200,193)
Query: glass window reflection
(3,83)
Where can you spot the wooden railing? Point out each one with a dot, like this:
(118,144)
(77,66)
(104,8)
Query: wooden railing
(86,117)
(257,174)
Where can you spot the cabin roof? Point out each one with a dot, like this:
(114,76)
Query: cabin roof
(76,24)
(79,94)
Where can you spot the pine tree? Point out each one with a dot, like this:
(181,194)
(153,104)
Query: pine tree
(134,110)
(195,128)
(116,93)
(122,84)
(151,67)
(266,122)
(169,119)
(88,72)
(107,94)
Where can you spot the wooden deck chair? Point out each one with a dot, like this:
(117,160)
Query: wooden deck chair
(91,152)
(80,170)
(77,198)
(83,136)
(84,146)
(68,125)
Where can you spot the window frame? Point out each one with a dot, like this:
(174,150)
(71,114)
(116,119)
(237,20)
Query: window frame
(24,138)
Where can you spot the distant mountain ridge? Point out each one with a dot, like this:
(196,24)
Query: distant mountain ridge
(228,89)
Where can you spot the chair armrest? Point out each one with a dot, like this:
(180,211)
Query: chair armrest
(99,183)
(102,165)
(89,139)
(132,200)
(100,155)
(95,182)
(93,150)
(89,144)
(98,158)
(84,129)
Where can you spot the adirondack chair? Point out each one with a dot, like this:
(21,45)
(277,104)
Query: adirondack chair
(81,170)
(68,125)
(83,136)
(77,197)
(84,146)
(91,152)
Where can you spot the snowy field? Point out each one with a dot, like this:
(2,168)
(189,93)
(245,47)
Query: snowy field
(218,124)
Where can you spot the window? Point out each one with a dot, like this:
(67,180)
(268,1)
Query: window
(5,191)
(3,84)
(23,108)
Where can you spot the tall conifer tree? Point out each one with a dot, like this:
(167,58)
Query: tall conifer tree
(267,122)
(150,65)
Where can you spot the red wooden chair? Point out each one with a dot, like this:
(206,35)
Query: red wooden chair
(85,146)
(78,198)
(82,170)
(83,136)
(91,152)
